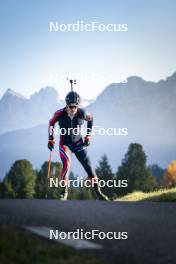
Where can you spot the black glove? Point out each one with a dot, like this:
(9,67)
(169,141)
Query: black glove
(51,144)
(87,140)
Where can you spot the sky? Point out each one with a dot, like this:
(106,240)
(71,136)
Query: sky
(32,57)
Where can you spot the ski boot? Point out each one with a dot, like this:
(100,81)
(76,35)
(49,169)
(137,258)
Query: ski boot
(64,194)
(99,193)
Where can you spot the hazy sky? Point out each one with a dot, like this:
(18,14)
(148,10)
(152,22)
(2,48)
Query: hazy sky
(30,54)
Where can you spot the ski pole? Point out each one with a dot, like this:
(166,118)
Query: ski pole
(49,169)
(49,165)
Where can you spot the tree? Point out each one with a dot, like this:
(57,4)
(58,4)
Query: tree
(20,180)
(169,178)
(135,171)
(42,187)
(157,172)
(104,172)
(6,190)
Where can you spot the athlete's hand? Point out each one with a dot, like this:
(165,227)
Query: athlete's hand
(87,140)
(51,144)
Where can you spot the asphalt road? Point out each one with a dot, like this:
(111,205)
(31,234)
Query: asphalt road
(151,227)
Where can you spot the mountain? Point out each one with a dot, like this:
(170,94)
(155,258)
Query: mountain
(9,94)
(18,112)
(10,110)
(146,109)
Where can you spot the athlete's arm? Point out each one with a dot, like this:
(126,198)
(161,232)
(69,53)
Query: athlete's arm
(52,123)
(89,119)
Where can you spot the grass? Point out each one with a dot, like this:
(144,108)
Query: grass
(163,195)
(18,246)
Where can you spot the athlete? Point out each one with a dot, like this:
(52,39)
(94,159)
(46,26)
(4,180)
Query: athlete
(69,118)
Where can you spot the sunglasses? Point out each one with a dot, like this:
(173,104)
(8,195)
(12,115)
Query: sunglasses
(72,106)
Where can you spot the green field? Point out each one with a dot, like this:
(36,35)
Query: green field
(163,195)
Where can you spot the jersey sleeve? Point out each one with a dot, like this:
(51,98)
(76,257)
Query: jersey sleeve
(52,123)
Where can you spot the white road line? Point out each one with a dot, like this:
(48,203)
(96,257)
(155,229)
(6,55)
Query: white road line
(44,231)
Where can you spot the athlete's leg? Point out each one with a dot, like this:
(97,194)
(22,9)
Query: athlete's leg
(82,156)
(65,155)
(84,159)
